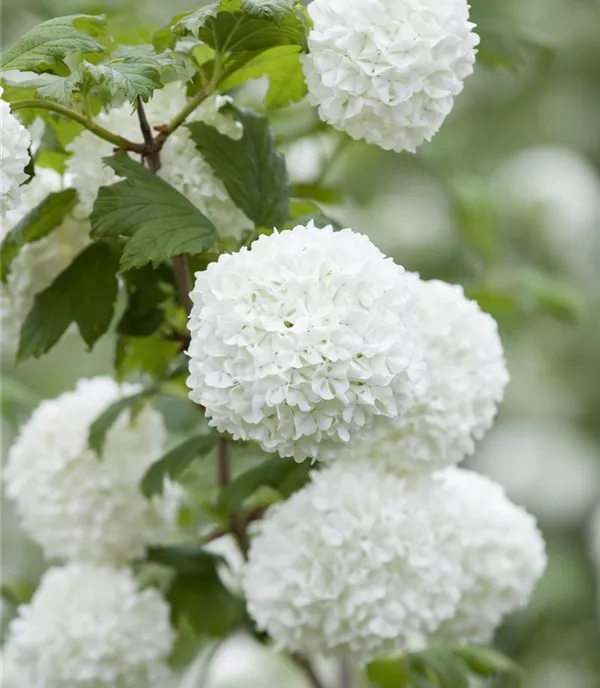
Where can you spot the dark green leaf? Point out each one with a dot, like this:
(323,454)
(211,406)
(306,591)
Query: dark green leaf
(100,427)
(196,590)
(174,463)
(252,169)
(284,475)
(191,22)
(85,293)
(283,68)
(450,670)
(44,47)
(161,222)
(36,224)
(316,192)
(147,291)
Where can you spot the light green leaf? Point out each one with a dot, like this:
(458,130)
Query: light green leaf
(252,169)
(268,9)
(486,661)
(283,68)
(100,427)
(449,669)
(150,355)
(174,463)
(161,222)
(85,293)
(388,673)
(192,22)
(44,47)
(133,79)
(38,223)
(536,291)
(284,475)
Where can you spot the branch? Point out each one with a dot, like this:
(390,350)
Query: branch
(92,126)
(304,664)
(183,282)
(237,522)
(345,674)
(153,156)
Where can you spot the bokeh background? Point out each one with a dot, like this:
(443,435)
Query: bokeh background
(506,201)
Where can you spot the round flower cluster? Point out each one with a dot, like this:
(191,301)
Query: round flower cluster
(182,165)
(465,381)
(76,505)
(385,71)
(366,563)
(14,155)
(502,555)
(38,263)
(90,626)
(301,341)
(358,563)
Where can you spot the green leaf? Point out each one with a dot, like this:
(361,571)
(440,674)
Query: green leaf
(252,169)
(56,88)
(284,475)
(44,47)
(283,68)
(388,673)
(161,222)
(84,293)
(269,9)
(236,32)
(38,223)
(192,22)
(100,427)
(486,661)
(174,463)
(147,291)
(536,291)
(450,670)
(152,355)
(132,78)
(196,590)
(17,593)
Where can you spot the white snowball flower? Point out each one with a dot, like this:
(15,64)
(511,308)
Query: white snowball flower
(91,627)
(301,341)
(79,506)
(388,71)
(38,263)
(14,155)
(550,469)
(358,563)
(12,676)
(182,165)
(503,555)
(462,389)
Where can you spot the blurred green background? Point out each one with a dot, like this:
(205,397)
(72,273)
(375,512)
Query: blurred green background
(506,201)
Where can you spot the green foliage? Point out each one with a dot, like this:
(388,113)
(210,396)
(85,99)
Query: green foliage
(147,290)
(44,48)
(506,46)
(284,475)
(196,591)
(37,224)
(105,421)
(141,208)
(253,171)
(283,68)
(441,667)
(84,293)
(174,462)
(147,355)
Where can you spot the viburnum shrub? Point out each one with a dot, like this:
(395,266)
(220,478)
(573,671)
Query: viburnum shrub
(336,390)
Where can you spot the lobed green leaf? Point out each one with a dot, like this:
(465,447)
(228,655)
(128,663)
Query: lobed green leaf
(159,221)
(84,293)
(44,48)
(253,171)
